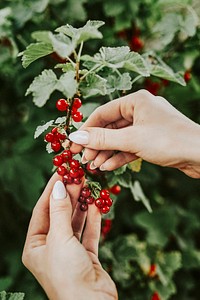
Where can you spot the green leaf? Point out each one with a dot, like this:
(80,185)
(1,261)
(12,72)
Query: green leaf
(5,282)
(42,87)
(11,296)
(93,85)
(158,68)
(136,63)
(139,195)
(120,170)
(118,82)
(41,128)
(78,35)
(62,45)
(42,36)
(5,23)
(191,22)
(35,51)
(124,180)
(67,84)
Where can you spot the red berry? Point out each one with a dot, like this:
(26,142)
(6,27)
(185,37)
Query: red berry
(89,200)
(68,179)
(77,117)
(54,130)
(108,202)
(187,76)
(105,209)
(74,164)
(77,180)
(61,136)
(84,206)
(94,172)
(81,199)
(62,105)
(77,103)
(85,192)
(61,170)
(73,110)
(115,189)
(99,202)
(81,172)
(152,271)
(58,160)
(56,146)
(104,194)
(74,173)
(155,296)
(136,43)
(67,155)
(49,137)
(108,222)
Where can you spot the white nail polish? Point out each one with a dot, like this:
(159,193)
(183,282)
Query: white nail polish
(92,166)
(59,191)
(79,137)
(102,168)
(84,160)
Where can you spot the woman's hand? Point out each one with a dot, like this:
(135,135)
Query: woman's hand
(66,268)
(139,125)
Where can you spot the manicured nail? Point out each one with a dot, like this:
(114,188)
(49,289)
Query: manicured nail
(102,168)
(84,160)
(92,166)
(59,191)
(79,137)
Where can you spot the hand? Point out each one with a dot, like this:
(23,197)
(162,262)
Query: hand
(139,125)
(65,268)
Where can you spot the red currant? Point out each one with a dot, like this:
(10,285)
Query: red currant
(105,209)
(61,136)
(77,103)
(104,194)
(89,200)
(115,189)
(68,179)
(58,160)
(85,192)
(99,202)
(136,43)
(84,206)
(77,117)
(56,146)
(49,137)
(81,199)
(74,173)
(187,76)
(155,296)
(62,105)
(81,172)
(61,170)
(74,164)
(108,222)
(67,155)
(77,180)
(54,130)
(152,271)
(108,202)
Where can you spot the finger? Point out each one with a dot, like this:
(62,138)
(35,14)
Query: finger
(92,230)
(89,154)
(117,161)
(78,221)
(74,192)
(107,139)
(60,212)
(39,223)
(101,158)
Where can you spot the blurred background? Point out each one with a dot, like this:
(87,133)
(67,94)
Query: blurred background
(148,255)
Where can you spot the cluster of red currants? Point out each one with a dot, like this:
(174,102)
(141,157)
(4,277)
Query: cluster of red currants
(55,138)
(104,202)
(63,105)
(72,172)
(107,224)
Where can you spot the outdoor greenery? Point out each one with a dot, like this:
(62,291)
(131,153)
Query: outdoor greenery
(151,246)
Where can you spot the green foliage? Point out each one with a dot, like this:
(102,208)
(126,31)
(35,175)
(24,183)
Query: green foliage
(168,237)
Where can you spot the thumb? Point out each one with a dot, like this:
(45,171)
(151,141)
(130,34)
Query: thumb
(105,138)
(60,211)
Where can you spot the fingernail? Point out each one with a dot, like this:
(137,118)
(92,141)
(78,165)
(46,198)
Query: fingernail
(59,191)
(79,137)
(102,168)
(92,166)
(84,160)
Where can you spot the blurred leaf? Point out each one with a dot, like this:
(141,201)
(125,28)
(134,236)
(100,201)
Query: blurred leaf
(136,63)
(11,296)
(135,165)
(5,282)
(138,195)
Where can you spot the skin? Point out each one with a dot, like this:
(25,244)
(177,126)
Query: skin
(66,268)
(141,125)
